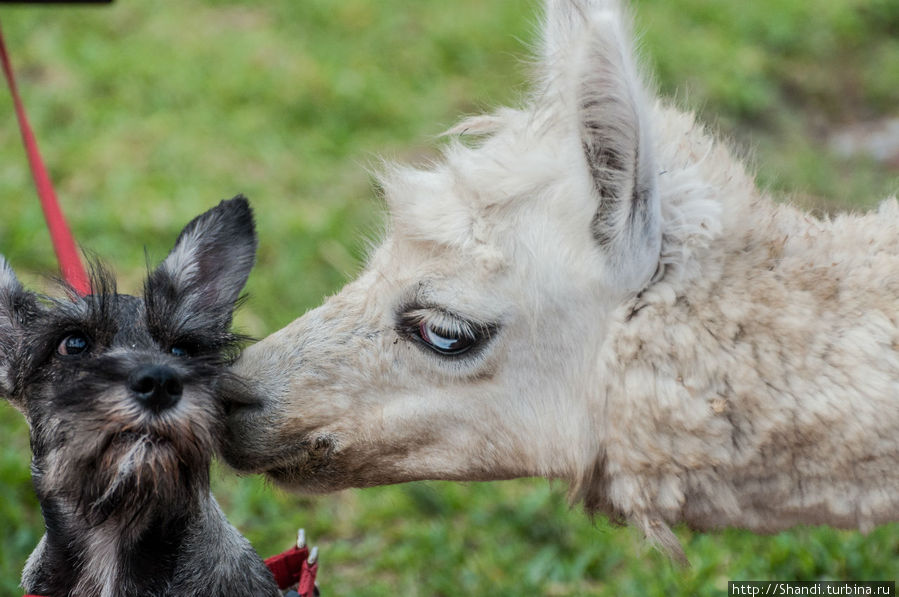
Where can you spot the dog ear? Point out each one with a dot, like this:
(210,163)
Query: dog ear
(210,262)
(589,67)
(17,306)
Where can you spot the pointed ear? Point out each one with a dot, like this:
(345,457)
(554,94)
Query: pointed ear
(210,263)
(17,307)
(588,50)
(563,20)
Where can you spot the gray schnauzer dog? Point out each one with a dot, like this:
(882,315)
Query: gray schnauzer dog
(121,396)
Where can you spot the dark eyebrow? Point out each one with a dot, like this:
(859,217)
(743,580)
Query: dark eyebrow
(92,315)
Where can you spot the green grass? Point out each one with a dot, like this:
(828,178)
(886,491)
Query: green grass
(148,113)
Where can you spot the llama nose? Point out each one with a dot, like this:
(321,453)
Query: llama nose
(156,387)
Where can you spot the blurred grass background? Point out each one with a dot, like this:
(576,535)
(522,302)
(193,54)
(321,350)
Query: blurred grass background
(150,112)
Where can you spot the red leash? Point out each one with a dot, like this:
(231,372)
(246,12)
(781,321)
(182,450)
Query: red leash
(66,253)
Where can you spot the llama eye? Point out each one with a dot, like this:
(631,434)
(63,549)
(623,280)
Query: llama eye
(179,351)
(71,345)
(442,341)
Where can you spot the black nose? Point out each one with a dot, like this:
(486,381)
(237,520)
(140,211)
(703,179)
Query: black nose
(156,387)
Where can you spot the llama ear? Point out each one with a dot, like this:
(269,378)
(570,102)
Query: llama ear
(563,20)
(17,306)
(207,269)
(587,49)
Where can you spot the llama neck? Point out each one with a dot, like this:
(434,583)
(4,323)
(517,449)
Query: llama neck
(776,347)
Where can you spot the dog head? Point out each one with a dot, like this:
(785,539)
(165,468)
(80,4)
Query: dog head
(120,391)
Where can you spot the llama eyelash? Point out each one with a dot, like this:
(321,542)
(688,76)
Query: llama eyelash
(444,333)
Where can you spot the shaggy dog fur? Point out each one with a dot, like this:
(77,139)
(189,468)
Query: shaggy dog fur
(120,395)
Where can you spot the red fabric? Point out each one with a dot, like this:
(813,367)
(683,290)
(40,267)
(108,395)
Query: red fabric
(292,567)
(306,587)
(69,261)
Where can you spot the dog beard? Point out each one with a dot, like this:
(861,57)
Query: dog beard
(132,467)
(138,473)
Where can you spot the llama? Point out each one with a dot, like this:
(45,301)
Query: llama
(592,288)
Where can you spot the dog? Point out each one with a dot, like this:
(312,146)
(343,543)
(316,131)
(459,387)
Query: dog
(120,394)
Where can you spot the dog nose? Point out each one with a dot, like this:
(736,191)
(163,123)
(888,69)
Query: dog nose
(156,387)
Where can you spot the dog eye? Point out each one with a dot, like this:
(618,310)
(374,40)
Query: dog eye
(443,341)
(73,344)
(181,350)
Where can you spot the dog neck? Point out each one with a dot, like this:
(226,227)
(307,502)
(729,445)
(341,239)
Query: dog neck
(180,551)
(124,553)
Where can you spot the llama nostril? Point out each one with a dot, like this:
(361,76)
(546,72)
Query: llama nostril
(156,387)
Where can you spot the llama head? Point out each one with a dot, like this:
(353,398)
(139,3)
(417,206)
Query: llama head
(469,346)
